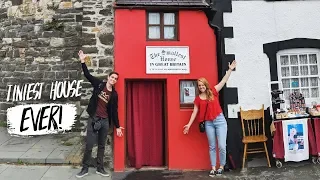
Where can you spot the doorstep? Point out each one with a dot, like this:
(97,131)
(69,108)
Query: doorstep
(47,149)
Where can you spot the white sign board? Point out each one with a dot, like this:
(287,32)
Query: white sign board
(167,60)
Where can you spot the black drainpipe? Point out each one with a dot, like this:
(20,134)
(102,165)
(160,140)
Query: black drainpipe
(217,31)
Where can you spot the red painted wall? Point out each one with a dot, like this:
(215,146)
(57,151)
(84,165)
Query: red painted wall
(184,151)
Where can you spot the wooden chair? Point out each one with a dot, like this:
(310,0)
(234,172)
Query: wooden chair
(252,120)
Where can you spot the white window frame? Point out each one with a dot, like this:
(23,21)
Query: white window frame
(300,51)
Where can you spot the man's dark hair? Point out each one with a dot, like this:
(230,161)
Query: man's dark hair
(113,72)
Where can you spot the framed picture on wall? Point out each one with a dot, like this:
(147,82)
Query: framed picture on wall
(188,92)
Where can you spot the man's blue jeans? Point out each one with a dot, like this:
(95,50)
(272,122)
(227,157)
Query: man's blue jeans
(217,129)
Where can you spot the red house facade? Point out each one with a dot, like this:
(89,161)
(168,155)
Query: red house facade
(161,49)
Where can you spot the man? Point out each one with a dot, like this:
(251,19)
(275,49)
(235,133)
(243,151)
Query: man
(102,108)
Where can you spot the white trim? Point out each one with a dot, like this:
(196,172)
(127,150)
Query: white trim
(299,51)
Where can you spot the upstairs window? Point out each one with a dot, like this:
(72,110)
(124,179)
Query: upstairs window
(298,69)
(162,26)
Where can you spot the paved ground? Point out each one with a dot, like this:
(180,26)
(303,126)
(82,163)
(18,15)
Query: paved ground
(17,172)
(48,149)
(290,171)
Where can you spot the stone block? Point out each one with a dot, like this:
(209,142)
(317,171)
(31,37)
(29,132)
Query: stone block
(9,67)
(65,5)
(50,75)
(106,12)
(49,34)
(86,18)
(73,66)
(20,74)
(89,41)
(61,75)
(39,59)
(88,23)
(72,42)
(31,52)
(27,28)
(89,35)
(108,51)
(31,67)
(79,18)
(90,50)
(44,67)
(74,75)
(57,42)
(106,62)
(72,34)
(20,44)
(9,53)
(55,52)
(3,16)
(78,5)
(95,29)
(88,13)
(5,106)
(38,74)
(42,42)
(57,67)
(106,38)
(2,53)
(20,68)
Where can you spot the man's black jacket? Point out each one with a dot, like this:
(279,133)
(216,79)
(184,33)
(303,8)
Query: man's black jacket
(98,85)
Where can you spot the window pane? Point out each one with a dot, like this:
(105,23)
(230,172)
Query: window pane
(304,70)
(285,72)
(294,71)
(303,59)
(169,32)
(154,18)
(188,91)
(313,58)
(314,81)
(284,60)
(305,93)
(154,32)
(295,83)
(314,70)
(294,60)
(304,82)
(169,19)
(314,92)
(286,93)
(286,83)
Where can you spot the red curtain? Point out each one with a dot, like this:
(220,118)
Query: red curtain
(145,123)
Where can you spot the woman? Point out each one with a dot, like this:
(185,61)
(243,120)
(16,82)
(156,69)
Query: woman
(207,104)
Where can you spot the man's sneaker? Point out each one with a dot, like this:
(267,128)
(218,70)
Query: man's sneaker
(212,173)
(219,171)
(82,173)
(102,172)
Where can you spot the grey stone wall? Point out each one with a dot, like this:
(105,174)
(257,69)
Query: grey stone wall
(39,42)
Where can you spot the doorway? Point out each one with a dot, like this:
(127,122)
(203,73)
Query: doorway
(146,123)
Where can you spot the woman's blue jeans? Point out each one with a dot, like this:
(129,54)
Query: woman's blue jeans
(217,129)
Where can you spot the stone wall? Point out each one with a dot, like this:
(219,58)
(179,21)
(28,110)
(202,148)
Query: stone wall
(39,42)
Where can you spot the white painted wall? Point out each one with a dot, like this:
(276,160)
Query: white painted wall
(254,24)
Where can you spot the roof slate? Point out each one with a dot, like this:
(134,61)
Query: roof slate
(188,3)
